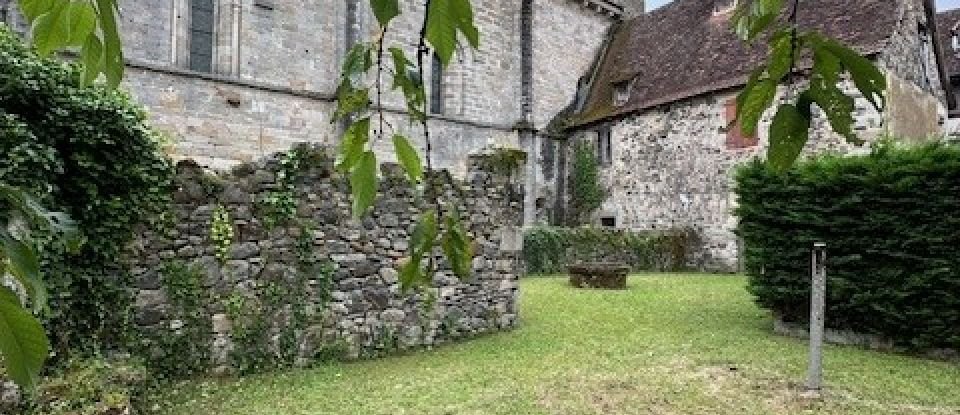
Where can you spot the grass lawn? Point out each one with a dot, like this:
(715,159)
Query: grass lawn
(671,344)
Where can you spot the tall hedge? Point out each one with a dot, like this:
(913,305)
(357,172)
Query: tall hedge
(549,250)
(891,220)
(87,151)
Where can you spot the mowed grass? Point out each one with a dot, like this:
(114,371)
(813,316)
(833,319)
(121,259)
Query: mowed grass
(671,344)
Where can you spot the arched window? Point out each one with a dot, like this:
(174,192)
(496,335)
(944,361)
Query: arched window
(201,35)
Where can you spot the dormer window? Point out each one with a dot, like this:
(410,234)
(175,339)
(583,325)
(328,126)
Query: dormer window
(622,91)
(724,6)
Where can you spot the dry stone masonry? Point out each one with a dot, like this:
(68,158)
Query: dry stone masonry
(351,298)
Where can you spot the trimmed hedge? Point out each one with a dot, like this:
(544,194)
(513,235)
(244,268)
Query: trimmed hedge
(891,220)
(548,250)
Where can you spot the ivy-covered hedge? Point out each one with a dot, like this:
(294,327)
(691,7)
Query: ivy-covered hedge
(548,250)
(87,151)
(891,220)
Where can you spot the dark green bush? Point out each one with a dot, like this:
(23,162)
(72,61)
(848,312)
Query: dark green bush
(891,220)
(548,250)
(87,151)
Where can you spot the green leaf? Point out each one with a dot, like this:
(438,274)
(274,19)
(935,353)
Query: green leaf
(866,76)
(752,18)
(25,267)
(32,9)
(113,63)
(837,106)
(782,54)
(446,19)
(789,132)
(422,240)
(408,157)
(51,30)
(363,183)
(424,234)
(92,58)
(83,21)
(411,274)
(358,60)
(23,344)
(457,247)
(353,145)
(385,10)
(408,81)
(350,100)
(752,102)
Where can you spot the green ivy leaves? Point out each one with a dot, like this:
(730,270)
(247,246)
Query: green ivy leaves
(87,25)
(831,60)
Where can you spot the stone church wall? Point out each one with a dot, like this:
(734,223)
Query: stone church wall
(353,297)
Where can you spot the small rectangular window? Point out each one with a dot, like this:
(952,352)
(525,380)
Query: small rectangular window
(608,222)
(201,35)
(736,139)
(436,86)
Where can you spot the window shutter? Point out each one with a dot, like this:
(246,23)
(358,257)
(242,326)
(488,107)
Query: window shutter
(735,137)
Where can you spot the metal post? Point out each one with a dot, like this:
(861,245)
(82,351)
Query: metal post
(818,296)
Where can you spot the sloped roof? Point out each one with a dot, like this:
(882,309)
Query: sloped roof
(946,22)
(683,50)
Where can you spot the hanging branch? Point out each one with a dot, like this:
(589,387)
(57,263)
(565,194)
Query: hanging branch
(383,36)
(422,51)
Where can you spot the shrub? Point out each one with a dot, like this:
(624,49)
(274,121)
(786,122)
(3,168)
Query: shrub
(891,221)
(90,387)
(549,250)
(87,151)
(586,192)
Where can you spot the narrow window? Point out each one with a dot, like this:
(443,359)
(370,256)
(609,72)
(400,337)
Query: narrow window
(604,146)
(926,51)
(735,137)
(436,86)
(201,35)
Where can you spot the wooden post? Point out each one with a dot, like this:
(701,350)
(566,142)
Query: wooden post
(818,298)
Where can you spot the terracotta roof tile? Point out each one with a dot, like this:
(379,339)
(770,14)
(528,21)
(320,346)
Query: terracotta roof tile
(683,50)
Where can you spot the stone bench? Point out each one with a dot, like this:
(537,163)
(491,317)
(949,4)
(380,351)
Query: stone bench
(611,276)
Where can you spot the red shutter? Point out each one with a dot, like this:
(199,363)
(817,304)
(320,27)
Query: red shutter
(735,137)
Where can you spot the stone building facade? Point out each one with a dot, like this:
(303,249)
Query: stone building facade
(661,109)
(234,80)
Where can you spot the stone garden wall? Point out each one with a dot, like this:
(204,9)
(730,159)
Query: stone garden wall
(300,278)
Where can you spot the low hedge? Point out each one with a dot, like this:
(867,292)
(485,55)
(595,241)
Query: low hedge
(891,220)
(549,250)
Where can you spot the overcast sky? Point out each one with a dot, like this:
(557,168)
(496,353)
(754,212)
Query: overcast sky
(941,4)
